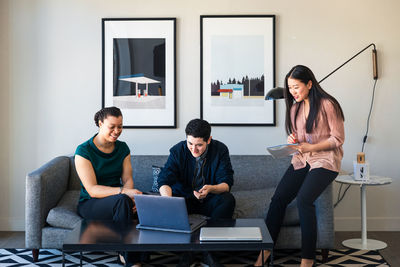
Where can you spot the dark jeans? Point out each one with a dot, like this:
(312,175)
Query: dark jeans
(306,185)
(215,206)
(117,208)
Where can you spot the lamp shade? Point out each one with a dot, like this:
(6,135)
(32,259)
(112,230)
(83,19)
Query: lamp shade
(275,93)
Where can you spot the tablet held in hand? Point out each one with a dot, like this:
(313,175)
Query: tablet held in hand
(281,151)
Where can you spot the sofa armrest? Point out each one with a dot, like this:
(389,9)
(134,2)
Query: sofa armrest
(44,188)
(325,220)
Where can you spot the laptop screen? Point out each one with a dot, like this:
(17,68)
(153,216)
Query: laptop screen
(163,213)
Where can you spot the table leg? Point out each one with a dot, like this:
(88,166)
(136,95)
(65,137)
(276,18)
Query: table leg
(63,259)
(364,243)
(363,215)
(271,259)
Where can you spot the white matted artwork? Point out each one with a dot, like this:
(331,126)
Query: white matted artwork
(237,70)
(139,73)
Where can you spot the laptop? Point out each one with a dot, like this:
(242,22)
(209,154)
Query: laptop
(165,214)
(230,234)
(163,237)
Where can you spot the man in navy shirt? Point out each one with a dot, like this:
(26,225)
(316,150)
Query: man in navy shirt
(199,169)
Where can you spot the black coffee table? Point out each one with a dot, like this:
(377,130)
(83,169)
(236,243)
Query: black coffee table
(110,236)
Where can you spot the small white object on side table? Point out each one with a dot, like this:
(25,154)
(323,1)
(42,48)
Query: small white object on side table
(363,242)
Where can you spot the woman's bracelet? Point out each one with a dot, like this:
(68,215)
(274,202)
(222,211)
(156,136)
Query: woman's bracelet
(120,189)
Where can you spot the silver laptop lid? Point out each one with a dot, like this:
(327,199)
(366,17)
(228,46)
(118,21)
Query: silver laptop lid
(230,234)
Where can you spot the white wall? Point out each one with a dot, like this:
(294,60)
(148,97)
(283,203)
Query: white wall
(52,79)
(5,114)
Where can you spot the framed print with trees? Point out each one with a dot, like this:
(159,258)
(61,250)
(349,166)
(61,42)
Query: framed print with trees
(237,69)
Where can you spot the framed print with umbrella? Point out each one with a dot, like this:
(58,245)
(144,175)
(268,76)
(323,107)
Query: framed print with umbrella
(139,73)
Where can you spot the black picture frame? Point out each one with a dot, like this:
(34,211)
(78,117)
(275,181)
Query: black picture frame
(139,70)
(237,69)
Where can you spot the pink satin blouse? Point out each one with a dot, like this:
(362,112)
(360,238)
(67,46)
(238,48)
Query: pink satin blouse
(330,127)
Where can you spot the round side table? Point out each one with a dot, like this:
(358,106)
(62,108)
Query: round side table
(363,242)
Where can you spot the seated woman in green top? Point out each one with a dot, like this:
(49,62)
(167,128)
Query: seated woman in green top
(104,167)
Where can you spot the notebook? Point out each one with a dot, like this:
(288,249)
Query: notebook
(230,234)
(165,214)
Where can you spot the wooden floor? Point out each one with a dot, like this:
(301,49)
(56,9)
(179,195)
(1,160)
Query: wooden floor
(391,253)
(12,239)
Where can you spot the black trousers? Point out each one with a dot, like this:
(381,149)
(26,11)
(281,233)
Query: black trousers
(215,206)
(306,185)
(117,208)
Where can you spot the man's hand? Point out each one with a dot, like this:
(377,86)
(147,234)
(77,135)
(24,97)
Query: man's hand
(166,191)
(203,192)
(207,189)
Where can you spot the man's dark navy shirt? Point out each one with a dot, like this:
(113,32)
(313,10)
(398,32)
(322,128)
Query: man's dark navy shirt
(179,169)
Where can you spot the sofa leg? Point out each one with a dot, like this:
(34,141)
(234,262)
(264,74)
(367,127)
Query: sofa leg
(324,254)
(35,255)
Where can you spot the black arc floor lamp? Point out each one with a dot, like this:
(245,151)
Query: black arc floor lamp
(277,92)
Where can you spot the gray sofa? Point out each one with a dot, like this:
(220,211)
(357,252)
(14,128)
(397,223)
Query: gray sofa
(52,193)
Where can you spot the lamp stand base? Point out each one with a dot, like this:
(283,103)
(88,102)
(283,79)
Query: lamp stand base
(370,244)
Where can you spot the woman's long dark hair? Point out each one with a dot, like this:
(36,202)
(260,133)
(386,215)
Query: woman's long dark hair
(316,94)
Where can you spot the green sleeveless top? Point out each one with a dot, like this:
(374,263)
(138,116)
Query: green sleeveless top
(107,166)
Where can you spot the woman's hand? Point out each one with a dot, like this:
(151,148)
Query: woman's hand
(137,192)
(305,147)
(300,147)
(134,208)
(131,192)
(292,139)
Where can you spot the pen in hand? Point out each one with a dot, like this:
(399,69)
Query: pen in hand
(292,139)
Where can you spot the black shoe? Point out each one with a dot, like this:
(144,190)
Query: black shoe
(265,265)
(130,258)
(120,259)
(186,259)
(210,260)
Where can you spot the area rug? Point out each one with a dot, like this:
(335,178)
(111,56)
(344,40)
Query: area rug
(282,258)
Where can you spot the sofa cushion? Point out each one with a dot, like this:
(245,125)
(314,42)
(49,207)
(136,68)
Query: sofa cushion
(142,171)
(255,204)
(64,215)
(253,172)
(156,173)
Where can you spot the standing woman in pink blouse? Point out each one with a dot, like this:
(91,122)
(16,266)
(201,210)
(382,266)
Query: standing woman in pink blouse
(314,120)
